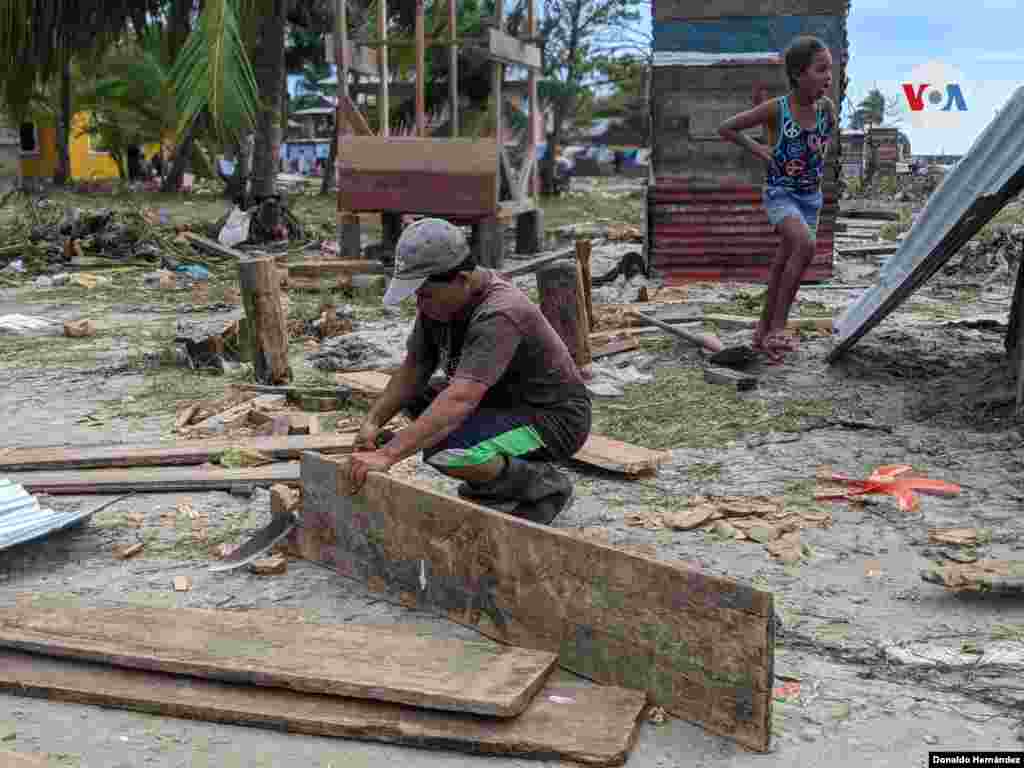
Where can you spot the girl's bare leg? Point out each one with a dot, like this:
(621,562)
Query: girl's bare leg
(771,296)
(797,241)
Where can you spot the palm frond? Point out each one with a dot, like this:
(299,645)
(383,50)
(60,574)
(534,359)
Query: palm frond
(213,73)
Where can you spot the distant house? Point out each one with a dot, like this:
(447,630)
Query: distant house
(89,160)
(889,146)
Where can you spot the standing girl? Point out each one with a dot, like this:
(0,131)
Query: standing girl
(799,126)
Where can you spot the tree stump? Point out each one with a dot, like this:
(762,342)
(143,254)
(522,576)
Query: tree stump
(267,331)
(562,303)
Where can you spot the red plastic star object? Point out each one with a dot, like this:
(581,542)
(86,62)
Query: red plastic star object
(892,480)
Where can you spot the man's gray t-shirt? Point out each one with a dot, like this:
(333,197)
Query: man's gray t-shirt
(502,340)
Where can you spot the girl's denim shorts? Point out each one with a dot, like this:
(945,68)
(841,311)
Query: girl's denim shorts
(780,203)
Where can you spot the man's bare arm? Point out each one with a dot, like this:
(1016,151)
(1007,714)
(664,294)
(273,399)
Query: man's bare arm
(449,409)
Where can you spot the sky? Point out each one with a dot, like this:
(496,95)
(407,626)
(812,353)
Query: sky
(983,40)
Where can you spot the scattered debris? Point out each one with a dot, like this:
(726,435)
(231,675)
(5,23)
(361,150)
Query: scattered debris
(79,329)
(361,351)
(997,576)
(657,715)
(743,382)
(182,584)
(961,537)
(210,343)
(125,551)
(269,566)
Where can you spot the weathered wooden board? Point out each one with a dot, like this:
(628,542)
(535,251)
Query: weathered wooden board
(22,760)
(330,268)
(584,723)
(268,649)
(450,177)
(167,454)
(868,250)
(154,479)
(598,451)
(994,576)
(730,322)
(528,267)
(701,646)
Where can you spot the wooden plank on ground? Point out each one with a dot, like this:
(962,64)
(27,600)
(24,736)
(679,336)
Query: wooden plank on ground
(617,456)
(986,576)
(531,266)
(700,645)
(22,760)
(154,479)
(868,250)
(332,268)
(580,722)
(276,650)
(729,322)
(183,453)
(598,451)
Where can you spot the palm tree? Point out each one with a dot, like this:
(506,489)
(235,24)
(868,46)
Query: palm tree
(40,39)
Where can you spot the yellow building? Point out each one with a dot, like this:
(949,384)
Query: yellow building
(39,151)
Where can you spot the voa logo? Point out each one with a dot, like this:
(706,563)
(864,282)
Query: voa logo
(934,93)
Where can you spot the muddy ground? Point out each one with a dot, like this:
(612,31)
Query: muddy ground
(859,629)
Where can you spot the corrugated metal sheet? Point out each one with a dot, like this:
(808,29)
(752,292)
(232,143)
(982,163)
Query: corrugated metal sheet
(22,519)
(989,176)
(706,231)
(746,34)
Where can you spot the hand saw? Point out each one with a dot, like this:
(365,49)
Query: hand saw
(275,531)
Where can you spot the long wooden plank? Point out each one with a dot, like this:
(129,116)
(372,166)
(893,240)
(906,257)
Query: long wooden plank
(164,454)
(154,479)
(701,646)
(587,724)
(283,651)
(471,157)
(531,266)
(336,267)
(22,760)
(599,451)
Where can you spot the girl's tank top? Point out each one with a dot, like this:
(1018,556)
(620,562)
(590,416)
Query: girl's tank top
(798,159)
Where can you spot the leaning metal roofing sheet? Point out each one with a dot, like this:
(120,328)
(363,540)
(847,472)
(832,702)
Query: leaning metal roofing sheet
(22,519)
(989,176)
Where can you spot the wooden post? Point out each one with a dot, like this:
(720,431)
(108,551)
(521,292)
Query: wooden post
(349,236)
(489,242)
(561,302)
(421,69)
(453,69)
(267,331)
(583,257)
(1015,338)
(350,244)
(382,60)
(535,111)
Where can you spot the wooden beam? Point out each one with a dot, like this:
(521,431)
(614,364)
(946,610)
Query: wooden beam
(453,69)
(456,157)
(268,334)
(598,451)
(155,479)
(576,722)
(184,453)
(384,75)
(266,649)
(353,117)
(702,646)
(526,173)
(505,48)
(531,266)
(331,268)
(509,173)
(583,259)
(421,69)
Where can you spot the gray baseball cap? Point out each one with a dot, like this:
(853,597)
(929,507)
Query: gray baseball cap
(427,247)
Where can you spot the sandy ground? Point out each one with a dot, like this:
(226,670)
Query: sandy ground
(857,623)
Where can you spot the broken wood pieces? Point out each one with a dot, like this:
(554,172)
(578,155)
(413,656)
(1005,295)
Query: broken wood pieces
(891,479)
(265,648)
(578,722)
(125,551)
(995,576)
(79,329)
(269,566)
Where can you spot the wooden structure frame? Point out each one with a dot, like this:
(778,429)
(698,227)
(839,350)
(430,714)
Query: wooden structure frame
(455,178)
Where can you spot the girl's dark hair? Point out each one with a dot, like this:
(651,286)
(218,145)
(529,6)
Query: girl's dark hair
(800,54)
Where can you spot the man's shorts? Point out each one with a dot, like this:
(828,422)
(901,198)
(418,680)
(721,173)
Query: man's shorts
(781,203)
(527,433)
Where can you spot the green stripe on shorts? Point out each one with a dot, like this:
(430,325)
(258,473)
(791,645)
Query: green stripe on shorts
(515,442)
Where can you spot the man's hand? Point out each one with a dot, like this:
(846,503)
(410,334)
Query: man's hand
(366,439)
(361,464)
